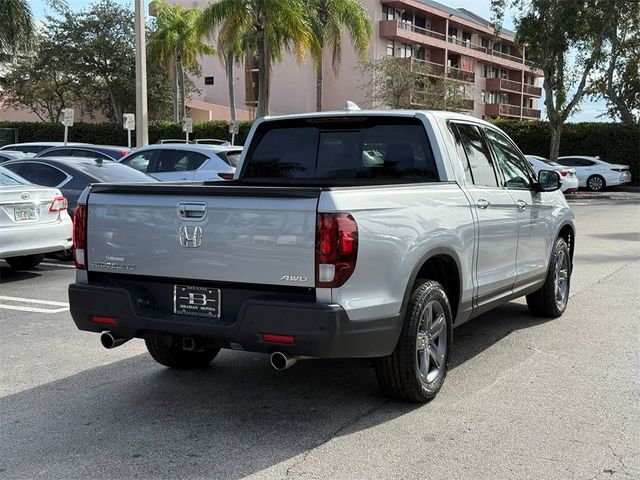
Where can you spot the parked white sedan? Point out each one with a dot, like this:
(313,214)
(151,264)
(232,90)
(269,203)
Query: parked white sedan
(568,175)
(596,174)
(33,221)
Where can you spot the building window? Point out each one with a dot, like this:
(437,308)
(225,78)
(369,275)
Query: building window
(390,49)
(504,74)
(485,43)
(406,51)
(466,37)
(453,32)
(483,96)
(388,13)
(209,81)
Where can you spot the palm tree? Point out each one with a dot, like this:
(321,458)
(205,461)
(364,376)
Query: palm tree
(271,24)
(177,43)
(16,26)
(328,19)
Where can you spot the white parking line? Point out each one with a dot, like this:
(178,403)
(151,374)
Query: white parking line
(62,306)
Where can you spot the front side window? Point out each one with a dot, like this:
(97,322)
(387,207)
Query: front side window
(474,150)
(139,161)
(342,149)
(513,168)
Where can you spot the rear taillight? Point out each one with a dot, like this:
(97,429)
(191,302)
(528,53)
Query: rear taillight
(620,169)
(80,237)
(226,176)
(564,172)
(59,204)
(336,249)
(123,153)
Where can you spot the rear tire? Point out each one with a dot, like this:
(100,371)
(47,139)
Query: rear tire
(596,183)
(25,262)
(552,298)
(416,369)
(165,350)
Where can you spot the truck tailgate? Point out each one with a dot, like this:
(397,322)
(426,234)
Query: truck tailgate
(249,235)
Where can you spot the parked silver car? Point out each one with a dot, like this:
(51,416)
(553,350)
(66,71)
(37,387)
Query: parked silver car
(185,162)
(33,221)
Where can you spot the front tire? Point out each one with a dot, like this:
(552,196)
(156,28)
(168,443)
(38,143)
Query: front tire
(552,298)
(416,369)
(166,351)
(596,183)
(25,262)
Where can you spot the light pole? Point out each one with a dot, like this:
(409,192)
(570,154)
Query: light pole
(142,116)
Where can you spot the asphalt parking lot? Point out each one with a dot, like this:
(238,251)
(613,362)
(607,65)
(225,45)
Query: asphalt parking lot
(525,398)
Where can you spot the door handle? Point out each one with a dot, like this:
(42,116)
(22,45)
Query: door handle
(483,203)
(521,204)
(192,211)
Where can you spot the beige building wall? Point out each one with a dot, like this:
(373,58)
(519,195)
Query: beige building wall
(293,83)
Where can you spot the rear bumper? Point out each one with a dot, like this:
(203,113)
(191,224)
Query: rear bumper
(319,330)
(35,239)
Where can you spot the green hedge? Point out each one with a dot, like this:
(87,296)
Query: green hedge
(615,142)
(114,134)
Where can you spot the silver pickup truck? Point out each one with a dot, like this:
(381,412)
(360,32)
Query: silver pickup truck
(345,234)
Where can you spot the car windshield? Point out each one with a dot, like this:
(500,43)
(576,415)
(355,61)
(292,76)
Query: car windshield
(8,178)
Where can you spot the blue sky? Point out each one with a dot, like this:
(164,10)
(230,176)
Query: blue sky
(589,109)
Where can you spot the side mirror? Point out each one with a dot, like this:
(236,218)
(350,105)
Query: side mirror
(549,181)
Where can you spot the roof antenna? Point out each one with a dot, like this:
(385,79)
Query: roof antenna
(350,106)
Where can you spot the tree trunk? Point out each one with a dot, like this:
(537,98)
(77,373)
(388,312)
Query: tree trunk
(263,76)
(117,113)
(176,94)
(232,93)
(319,80)
(556,133)
(183,99)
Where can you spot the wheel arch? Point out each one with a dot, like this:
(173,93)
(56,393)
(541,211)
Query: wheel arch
(442,265)
(568,233)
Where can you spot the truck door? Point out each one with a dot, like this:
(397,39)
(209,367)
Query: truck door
(535,231)
(496,216)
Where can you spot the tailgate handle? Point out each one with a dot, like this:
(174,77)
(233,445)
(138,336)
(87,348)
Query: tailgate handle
(192,211)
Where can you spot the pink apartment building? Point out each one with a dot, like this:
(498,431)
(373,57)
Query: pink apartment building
(493,72)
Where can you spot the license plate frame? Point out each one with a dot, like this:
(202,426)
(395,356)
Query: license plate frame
(197,301)
(18,214)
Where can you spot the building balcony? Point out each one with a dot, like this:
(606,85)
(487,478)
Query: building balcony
(532,90)
(504,85)
(507,110)
(438,70)
(409,33)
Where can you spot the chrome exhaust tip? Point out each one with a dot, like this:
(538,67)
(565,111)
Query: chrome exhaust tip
(109,340)
(281,361)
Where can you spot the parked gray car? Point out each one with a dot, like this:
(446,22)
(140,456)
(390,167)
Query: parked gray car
(345,234)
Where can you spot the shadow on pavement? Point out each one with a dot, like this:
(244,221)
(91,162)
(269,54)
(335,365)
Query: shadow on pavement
(7,275)
(135,419)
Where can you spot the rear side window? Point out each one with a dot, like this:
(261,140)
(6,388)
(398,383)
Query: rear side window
(195,160)
(171,161)
(477,155)
(42,174)
(231,157)
(342,149)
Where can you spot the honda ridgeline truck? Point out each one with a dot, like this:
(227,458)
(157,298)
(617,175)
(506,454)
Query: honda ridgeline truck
(346,234)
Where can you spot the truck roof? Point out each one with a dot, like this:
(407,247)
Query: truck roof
(435,114)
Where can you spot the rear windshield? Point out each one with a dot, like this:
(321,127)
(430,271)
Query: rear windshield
(108,171)
(353,148)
